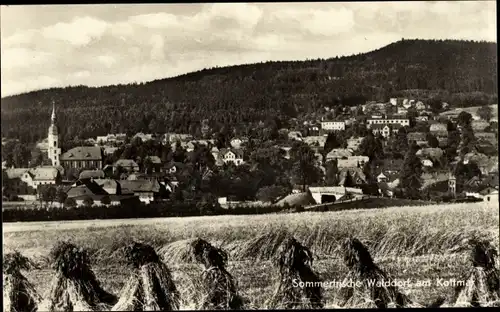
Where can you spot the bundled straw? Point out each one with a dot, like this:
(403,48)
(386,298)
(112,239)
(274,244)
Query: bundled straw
(262,247)
(219,288)
(150,286)
(18,293)
(362,269)
(482,286)
(294,262)
(74,287)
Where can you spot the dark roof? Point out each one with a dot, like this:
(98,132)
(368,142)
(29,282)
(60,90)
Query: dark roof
(140,185)
(112,197)
(83,153)
(83,190)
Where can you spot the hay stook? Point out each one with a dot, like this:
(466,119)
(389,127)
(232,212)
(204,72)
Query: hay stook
(74,287)
(18,293)
(294,263)
(150,286)
(372,293)
(482,286)
(219,289)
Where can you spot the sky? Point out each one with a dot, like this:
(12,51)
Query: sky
(44,46)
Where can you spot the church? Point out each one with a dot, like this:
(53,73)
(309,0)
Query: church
(79,158)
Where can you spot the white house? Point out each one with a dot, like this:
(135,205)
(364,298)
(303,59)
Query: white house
(427,163)
(232,155)
(333,125)
(393,101)
(389,120)
(385,129)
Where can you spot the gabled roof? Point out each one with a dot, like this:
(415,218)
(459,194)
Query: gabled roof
(235,151)
(15,173)
(91,174)
(83,153)
(106,183)
(356,173)
(140,185)
(85,189)
(125,163)
(339,153)
(154,159)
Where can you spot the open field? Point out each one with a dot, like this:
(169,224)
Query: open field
(415,243)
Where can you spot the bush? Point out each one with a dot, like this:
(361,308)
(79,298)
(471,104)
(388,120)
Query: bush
(69,203)
(88,201)
(106,200)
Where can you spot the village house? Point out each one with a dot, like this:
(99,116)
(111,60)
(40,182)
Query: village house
(486,137)
(388,120)
(352,162)
(143,136)
(318,141)
(333,125)
(237,142)
(408,103)
(91,174)
(215,152)
(146,190)
(385,129)
(417,136)
(24,182)
(420,106)
(422,118)
(127,164)
(427,162)
(479,125)
(295,135)
(109,150)
(83,157)
(356,174)
(174,167)
(393,101)
(232,155)
(111,138)
(174,137)
(354,143)
(402,110)
(338,153)
(439,129)
(95,192)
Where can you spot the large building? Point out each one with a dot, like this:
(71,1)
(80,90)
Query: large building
(388,120)
(54,151)
(333,125)
(83,157)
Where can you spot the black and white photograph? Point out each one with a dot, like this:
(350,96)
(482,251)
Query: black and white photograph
(249,156)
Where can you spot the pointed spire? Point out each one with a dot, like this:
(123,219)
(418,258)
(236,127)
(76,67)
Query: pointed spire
(53,112)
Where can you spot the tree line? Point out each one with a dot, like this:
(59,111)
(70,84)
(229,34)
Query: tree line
(461,73)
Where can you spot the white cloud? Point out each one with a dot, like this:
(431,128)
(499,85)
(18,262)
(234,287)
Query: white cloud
(106,60)
(79,32)
(17,58)
(81,74)
(19,39)
(156,20)
(157,50)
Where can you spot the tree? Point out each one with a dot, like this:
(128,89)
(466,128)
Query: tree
(70,202)
(271,193)
(147,165)
(435,105)
(332,141)
(61,195)
(348,181)
(88,201)
(304,164)
(331,173)
(400,143)
(48,194)
(432,140)
(105,200)
(485,112)
(464,119)
(411,174)
(372,147)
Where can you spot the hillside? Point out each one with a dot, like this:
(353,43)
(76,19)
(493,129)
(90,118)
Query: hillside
(462,73)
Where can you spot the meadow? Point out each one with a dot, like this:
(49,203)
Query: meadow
(415,243)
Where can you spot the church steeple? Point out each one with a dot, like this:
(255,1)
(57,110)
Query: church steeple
(53,113)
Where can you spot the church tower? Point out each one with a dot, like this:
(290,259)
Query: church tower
(54,151)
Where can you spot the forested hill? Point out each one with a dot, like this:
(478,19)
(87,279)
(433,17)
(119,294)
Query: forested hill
(463,73)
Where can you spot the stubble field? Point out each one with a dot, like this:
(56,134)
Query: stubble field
(412,244)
